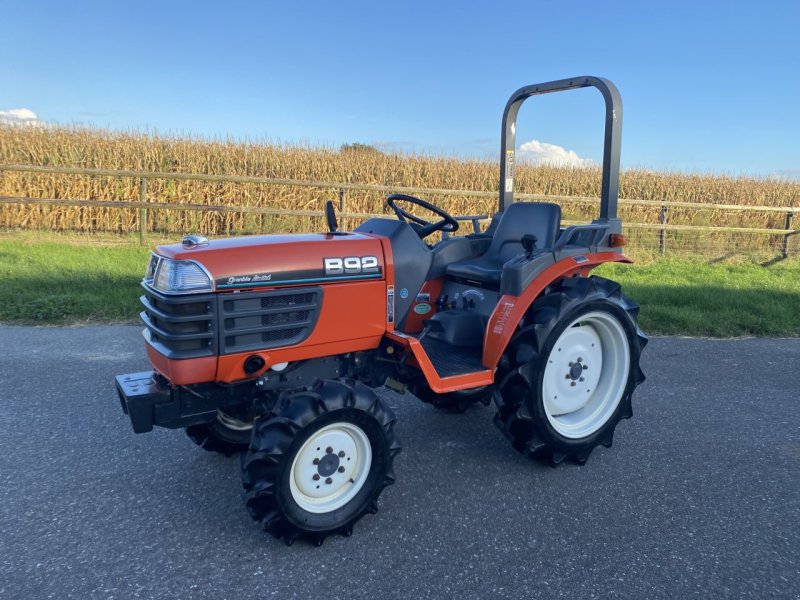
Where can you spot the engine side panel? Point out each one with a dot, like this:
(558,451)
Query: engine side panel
(282,297)
(351,317)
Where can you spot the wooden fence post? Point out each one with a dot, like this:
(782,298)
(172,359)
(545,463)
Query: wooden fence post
(788,237)
(662,235)
(142,210)
(341,200)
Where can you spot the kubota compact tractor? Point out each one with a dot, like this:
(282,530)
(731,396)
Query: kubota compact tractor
(272,345)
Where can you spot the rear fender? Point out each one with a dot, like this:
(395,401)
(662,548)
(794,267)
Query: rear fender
(509,311)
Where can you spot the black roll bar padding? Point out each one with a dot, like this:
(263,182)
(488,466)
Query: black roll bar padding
(571,233)
(609,191)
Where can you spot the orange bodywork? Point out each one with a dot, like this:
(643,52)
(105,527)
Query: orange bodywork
(441,385)
(510,310)
(354,315)
(183,372)
(274,254)
(341,327)
(502,324)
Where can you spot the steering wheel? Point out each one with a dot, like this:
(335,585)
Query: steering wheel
(423,228)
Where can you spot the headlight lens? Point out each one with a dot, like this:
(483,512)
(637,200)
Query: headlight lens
(180,277)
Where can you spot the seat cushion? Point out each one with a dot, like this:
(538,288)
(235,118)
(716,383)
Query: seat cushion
(481,269)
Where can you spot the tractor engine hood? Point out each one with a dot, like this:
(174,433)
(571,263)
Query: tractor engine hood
(275,260)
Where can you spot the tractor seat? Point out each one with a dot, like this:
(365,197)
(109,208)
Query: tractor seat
(542,219)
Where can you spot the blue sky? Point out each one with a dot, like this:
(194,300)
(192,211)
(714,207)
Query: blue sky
(707,86)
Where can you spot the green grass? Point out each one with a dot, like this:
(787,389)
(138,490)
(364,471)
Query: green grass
(694,297)
(66,279)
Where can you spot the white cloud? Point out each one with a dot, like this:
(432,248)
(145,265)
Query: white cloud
(24,117)
(542,153)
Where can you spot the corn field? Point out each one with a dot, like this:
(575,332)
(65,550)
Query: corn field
(99,149)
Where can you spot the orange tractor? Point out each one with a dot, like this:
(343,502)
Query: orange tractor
(271,346)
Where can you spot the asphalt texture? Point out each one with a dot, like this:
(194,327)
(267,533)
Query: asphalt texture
(699,496)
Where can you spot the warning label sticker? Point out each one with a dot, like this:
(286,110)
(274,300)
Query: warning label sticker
(502,317)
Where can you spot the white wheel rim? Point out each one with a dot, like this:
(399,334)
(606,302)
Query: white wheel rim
(232,422)
(330,468)
(586,374)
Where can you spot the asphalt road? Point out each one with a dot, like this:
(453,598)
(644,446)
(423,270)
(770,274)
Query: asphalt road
(699,497)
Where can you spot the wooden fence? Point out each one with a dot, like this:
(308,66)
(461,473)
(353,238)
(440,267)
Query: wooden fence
(341,189)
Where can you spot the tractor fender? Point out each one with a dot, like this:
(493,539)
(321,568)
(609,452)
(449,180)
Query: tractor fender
(510,309)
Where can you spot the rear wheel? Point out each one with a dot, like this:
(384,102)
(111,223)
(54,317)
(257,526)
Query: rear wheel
(568,374)
(319,463)
(228,434)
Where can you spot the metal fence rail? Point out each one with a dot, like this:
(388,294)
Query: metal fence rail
(342,187)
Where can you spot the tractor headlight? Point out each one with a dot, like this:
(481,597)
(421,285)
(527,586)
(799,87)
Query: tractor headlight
(177,276)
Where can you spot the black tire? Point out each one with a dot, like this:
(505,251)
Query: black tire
(216,436)
(521,413)
(280,437)
(452,402)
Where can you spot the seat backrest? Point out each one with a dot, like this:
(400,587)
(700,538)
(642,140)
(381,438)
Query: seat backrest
(542,219)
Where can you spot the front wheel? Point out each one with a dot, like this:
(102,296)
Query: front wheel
(228,434)
(569,372)
(319,463)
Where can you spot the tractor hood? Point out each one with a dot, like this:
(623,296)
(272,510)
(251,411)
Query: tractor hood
(274,260)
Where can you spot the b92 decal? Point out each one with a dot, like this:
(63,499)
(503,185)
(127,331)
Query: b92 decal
(351,265)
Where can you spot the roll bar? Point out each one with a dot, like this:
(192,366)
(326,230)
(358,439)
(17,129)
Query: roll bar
(611,145)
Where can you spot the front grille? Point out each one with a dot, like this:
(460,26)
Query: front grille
(292,316)
(180,326)
(262,320)
(285,299)
(282,334)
